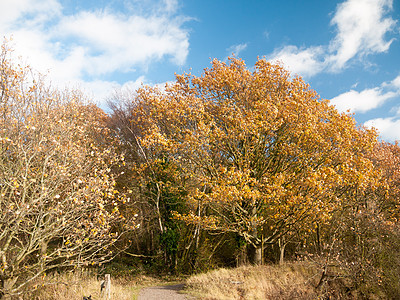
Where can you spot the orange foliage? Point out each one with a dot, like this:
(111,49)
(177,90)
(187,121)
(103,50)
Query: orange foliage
(263,150)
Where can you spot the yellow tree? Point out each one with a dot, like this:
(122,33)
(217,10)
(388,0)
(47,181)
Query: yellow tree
(57,196)
(264,153)
(155,187)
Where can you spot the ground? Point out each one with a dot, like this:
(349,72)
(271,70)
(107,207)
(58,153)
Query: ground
(167,292)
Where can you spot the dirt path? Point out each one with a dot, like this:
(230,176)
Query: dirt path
(167,292)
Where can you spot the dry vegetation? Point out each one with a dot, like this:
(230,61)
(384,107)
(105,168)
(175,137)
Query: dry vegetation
(288,281)
(77,285)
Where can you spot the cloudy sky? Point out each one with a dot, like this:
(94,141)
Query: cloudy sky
(349,51)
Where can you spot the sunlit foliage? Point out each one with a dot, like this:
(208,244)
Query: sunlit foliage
(264,154)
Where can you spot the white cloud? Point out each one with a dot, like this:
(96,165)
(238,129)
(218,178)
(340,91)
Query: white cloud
(305,62)
(367,99)
(361,29)
(362,101)
(236,49)
(101,90)
(396,82)
(170,5)
(152,7)
(37,51)
(88,45)
(115,42)
(134,85)
(388,128)
(36,11)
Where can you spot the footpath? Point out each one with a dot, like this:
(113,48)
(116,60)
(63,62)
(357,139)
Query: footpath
(166,292)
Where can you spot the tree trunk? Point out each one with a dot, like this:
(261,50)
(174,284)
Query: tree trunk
(318,236)
(255,254)
(282,246)
(258,256)
(243,256)
(256,249)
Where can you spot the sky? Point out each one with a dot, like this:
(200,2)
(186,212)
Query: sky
(348,51)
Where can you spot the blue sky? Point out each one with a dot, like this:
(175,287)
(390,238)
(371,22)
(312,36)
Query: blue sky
(349,50)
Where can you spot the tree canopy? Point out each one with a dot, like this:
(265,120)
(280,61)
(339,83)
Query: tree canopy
(232,166)
(263,154)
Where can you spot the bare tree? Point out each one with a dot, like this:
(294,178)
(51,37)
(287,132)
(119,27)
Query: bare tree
(57,196)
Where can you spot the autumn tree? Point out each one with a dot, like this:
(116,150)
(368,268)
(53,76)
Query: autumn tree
(154,187)
(57,195)
(367,233)
(386,157)
(263,153)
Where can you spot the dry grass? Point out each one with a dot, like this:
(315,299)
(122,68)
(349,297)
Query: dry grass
(288,281)
(77,285)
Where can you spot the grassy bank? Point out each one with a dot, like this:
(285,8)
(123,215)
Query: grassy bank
(294,280)
(289,281)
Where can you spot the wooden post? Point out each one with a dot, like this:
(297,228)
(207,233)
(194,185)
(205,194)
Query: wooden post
(106,291)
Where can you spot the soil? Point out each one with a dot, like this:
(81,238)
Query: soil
(167,292)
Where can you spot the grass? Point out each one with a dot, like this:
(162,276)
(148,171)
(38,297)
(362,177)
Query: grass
(296,280)
(78,284)
(288,281)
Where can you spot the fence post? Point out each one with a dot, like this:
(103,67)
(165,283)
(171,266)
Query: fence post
(106,285)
